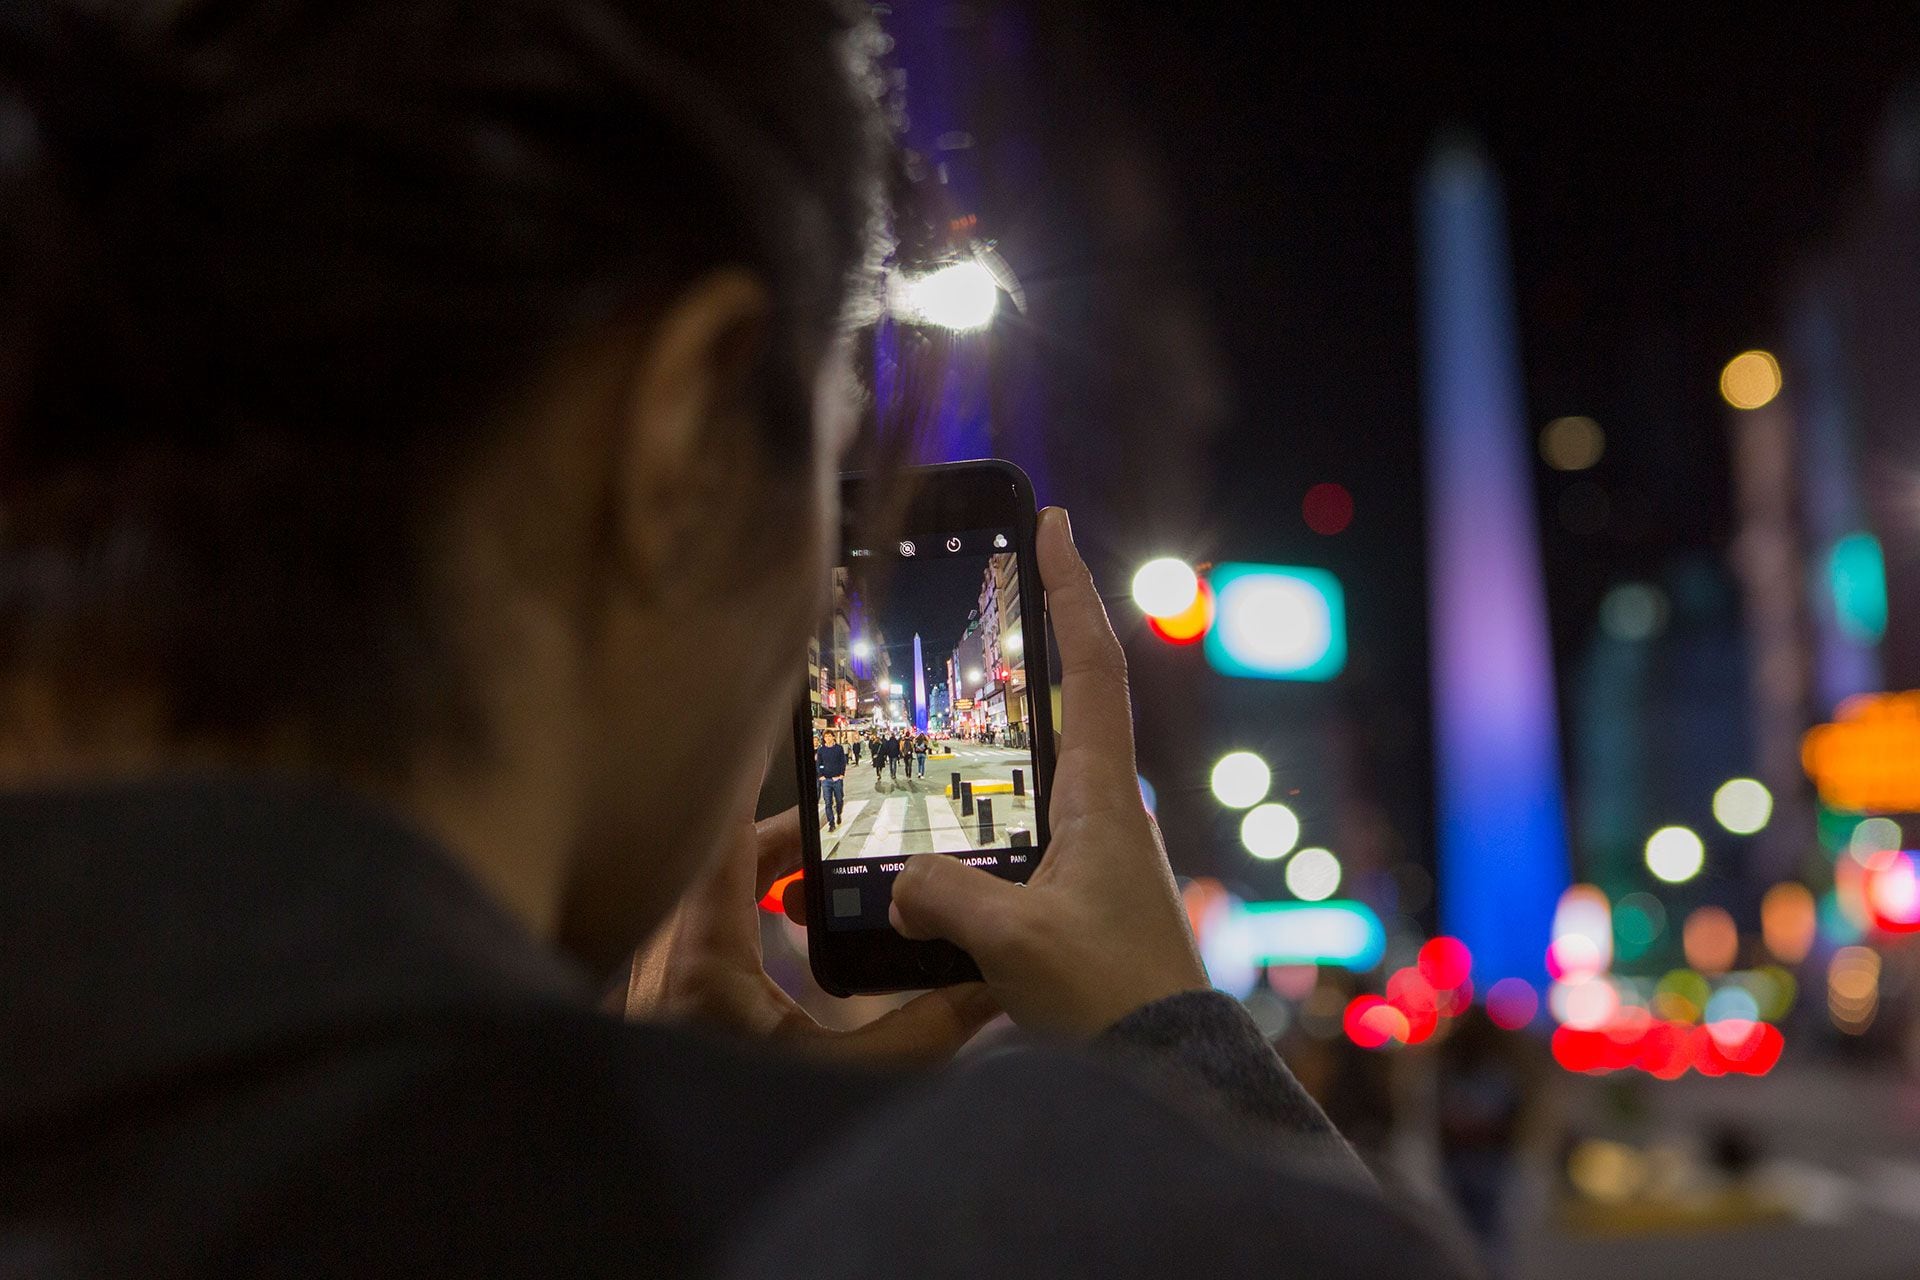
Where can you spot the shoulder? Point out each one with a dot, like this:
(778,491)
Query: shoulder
(539,1142)
(1032,1163)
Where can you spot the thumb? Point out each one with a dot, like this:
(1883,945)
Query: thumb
(937,896)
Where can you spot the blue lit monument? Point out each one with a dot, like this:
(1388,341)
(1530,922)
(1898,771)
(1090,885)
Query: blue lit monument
(919,687)
(1502,861)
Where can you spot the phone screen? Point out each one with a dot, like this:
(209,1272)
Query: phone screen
(923,724)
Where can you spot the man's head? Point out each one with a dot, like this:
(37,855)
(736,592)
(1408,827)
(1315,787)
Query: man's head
(441,397)
(831,740)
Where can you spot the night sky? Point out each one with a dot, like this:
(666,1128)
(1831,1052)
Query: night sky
(1664,171)
(932,597)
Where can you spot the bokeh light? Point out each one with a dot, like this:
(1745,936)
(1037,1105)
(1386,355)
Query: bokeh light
(1445,962)
(1582,934)
(1750,380)
(1873,837)
(1277,623)
(1327,509)
(1313,875)
(1710,939)
(1788,921)
(1148,796)
(1241,779)
(1190,624)
(1634,612)
(1585,1004)
(1891,888)
(1165,587)
(1410,993)
(1512,1003)
(1732,1004)
(1638,921)
(1853,988)
(1572,444)
(1607,1172)
(1270,831)
(1372,1023)
(1743,805)
(1675,854)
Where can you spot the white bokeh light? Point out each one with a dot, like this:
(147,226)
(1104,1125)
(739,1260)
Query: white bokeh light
(1241,780)
(1164,587)
(1313,874)
(1274,623)
(1270,831)
(1675,854)
(1743,806)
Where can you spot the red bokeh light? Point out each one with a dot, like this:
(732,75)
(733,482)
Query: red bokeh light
(1512,1003)
(1890,886)
(1371,1022)
(1445,962)
(1413,996)
(1666,1050)
(1327,508)
(1190,624)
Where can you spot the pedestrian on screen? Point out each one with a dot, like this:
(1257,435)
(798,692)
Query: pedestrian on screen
(832,763)
(921,749)
(392,392)
(879,757)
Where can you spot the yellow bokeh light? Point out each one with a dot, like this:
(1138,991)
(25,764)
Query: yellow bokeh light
(1572,444)
(1750,379)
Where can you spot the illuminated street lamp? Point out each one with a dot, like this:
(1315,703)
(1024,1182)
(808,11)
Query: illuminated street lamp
(961,296)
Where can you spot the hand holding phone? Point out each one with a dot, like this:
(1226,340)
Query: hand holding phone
(1100,929)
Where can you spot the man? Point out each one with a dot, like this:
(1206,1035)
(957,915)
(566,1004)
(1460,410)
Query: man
(399,401)
(832,762)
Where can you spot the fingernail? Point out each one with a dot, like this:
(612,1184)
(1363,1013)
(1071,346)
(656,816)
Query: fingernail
(1065,521)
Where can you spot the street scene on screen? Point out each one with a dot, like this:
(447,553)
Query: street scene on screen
(922,722)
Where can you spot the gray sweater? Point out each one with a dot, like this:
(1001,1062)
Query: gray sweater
(259,1028)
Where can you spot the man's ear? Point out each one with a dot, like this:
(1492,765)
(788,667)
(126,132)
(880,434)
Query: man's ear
(691,398)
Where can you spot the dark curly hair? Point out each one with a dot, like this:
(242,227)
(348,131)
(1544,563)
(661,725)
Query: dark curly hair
(271,269)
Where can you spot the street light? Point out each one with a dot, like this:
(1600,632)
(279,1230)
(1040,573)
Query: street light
(961,296)
(863,649)
(1012,643)
(973,677)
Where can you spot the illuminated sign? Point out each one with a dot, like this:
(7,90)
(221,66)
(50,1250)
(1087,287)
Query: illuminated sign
(1868,759)
(1348,934)
(963,704)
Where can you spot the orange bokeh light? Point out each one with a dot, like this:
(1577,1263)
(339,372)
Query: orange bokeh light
(1190,624)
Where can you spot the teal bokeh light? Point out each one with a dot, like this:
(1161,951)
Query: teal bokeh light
(1858,573)
(1275,622)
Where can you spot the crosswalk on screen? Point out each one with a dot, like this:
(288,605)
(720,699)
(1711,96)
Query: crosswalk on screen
(922,722)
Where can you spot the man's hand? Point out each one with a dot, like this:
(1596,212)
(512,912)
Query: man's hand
(705,965)
(1100,929)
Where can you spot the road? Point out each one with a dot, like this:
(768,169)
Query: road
(1838,1146)
(901,815)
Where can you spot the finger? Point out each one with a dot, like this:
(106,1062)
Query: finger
(793,901)
(936,896)
(778,849)
(927,1029)
(1095,710)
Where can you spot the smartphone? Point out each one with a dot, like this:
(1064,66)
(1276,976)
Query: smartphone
(926,725)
